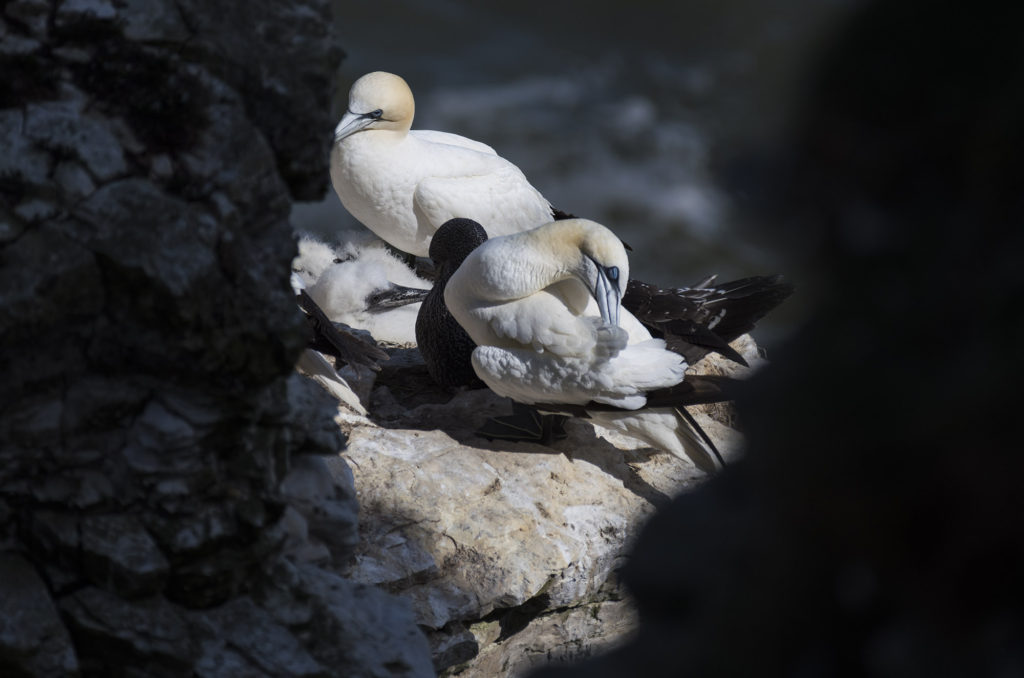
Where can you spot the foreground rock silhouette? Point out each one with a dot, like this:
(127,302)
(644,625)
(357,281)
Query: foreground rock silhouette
(876,526)
(164,506)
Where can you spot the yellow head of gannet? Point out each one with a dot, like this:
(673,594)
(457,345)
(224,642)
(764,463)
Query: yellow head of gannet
(587,251)
(379,101)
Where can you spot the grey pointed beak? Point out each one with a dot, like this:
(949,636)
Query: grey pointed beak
(349,124)
(608,298)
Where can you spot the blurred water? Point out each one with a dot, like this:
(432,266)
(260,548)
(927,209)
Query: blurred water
(622,115)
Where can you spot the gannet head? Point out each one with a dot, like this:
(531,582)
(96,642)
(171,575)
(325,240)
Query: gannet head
(377,100)
(453,242)
(597,258)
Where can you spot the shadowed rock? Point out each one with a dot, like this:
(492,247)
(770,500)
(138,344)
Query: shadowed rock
(875,525)
(159,482)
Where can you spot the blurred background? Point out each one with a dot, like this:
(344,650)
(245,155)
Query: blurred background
(651,119)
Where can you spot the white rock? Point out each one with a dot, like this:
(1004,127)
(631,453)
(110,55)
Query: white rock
(464,528)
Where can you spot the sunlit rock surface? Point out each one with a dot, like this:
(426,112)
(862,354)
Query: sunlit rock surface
(506,551)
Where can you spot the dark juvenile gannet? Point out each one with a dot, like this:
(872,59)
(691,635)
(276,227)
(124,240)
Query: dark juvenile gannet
(403,184)
(444,345)
(544,308)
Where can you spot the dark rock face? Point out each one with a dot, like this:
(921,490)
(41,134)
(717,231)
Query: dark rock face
(163,509)
(876,527)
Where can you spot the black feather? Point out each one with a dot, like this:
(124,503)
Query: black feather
(344,346)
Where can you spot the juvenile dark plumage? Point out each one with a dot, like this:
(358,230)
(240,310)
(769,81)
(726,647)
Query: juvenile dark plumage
(445,346)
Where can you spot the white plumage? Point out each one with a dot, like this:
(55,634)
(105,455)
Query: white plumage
(341,281)
(543,309)
(403,184)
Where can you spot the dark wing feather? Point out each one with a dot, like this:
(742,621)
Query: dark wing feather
(695,321)
(327,338)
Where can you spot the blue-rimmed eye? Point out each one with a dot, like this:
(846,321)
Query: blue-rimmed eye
(375,114)
(613,273)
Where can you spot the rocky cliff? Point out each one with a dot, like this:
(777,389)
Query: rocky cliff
(161,472)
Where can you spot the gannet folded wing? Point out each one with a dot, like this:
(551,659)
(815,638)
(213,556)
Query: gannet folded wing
(436,137)
(698,320)
(541,324)
(533,377)
(501,198)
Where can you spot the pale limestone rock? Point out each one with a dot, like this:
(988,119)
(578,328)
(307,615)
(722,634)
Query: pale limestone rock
(505,550)
(557,637)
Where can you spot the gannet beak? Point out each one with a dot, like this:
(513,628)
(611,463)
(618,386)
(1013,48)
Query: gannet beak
(351,123)
(608,297)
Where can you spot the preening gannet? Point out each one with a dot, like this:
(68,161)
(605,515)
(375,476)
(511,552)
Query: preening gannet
(544,308)
(403,184)
(693,321)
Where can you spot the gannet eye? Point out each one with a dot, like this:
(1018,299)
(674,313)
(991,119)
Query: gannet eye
(374,114)
(613,274)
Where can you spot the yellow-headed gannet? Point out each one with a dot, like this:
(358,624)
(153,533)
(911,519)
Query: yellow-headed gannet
(544,308)
(403,184)
(693,321)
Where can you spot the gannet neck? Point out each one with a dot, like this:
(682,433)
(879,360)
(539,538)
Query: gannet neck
(572,249)
(377,101)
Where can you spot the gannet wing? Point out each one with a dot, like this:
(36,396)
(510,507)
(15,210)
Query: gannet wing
(530,377)
(500,196)
(542,323)
(434,137)
(534,377)
(706,317)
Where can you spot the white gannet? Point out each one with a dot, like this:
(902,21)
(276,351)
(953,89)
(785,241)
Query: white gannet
(543,307)
(694,321)
(403,184)
(362,285)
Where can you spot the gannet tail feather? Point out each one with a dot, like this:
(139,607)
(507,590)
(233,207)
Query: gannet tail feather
(698,446)
(696,389)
